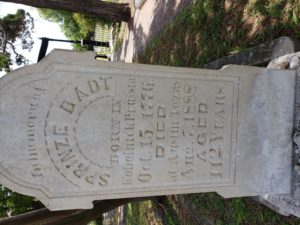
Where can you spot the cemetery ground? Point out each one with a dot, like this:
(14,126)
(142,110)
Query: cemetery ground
(203,209)
(203,32)
(208,30)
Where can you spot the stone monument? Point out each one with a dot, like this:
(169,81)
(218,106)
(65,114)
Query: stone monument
(74,130)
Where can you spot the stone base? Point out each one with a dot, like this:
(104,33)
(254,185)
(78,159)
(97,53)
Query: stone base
(279,54)
(289,204)
(282,204)
(259,55)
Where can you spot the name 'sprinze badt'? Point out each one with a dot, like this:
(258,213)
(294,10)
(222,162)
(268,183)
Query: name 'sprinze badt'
(71,160)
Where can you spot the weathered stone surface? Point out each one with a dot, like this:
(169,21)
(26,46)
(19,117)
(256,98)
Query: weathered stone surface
(288,204)
(74,130)
(259,55)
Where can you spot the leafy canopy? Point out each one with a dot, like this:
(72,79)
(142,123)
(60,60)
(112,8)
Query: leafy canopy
(12,203)
(15,29)
(75,26)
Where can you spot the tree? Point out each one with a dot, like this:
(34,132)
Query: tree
(13,28)
(12,203)
(5,62)
(112,11)
(74,25)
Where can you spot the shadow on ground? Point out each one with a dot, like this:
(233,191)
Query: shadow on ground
(164,13)
(210,29)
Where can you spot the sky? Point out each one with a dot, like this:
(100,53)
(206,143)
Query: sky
(43,28)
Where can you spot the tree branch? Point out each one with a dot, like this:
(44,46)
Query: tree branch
(14,50)
(12,47)
(3,39)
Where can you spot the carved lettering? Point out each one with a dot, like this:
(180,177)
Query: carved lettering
(188,173)
(182,130)
(203,108)
(80,94)
(160,151)
(146,137)
(127,177)
(33,155)
(81,170)
(144,177)
(94,86)
(67,106)
(147,99)
(104,179)
(116,106)
(161,112)
(60,130)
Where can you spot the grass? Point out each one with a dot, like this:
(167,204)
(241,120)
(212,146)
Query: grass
(210,208)
(237,211)
(169,214)
(151,212)
(210,29)
(138,213)
(119,34)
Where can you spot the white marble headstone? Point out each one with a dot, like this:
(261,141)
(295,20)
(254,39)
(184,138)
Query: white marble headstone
(74,130)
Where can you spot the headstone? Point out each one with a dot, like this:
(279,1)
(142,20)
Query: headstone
(74,130)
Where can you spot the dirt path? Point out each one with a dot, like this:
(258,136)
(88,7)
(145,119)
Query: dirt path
(146,23)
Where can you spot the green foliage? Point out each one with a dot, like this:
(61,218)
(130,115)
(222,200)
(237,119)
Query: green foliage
(14,24)
(74,25)
(236,211)
(207,208)
(15,29)
(79,47)
(5,62)
(169,216)
(98,221)
(65,20)
(12,203)
(136,213)
(85,23)
(151,212)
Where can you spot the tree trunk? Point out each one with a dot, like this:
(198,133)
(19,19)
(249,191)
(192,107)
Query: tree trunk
(3,38)
(112,11)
